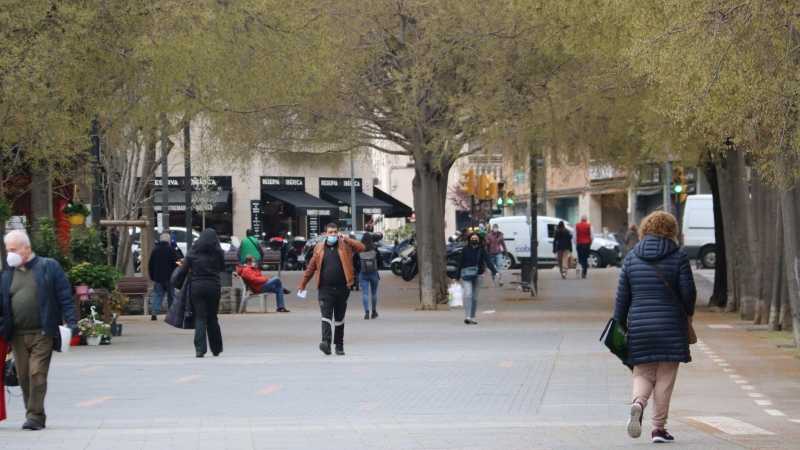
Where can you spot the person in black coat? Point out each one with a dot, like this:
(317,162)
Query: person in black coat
(206,260)
(473,255)
(562,247)
(658,336)
(160,267)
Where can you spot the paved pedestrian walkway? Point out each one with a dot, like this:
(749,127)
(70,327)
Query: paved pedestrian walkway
(531,374)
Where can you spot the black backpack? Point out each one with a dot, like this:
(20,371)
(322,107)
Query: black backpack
(369,263)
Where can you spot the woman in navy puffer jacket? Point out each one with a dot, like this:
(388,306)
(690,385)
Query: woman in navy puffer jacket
(658,337)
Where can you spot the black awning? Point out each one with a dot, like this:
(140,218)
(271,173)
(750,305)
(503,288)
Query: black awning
(399,209)
(364,203)
(218,200)
(305,204)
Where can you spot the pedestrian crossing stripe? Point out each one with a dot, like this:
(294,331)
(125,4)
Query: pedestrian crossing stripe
(730,426)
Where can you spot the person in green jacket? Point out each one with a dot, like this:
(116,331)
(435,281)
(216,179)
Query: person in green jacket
(251,246)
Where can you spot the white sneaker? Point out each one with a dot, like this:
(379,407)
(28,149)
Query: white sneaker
(635,421)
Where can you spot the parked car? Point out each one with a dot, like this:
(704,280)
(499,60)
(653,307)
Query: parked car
(228,243)
(620,240)
(517,234)
(698,230)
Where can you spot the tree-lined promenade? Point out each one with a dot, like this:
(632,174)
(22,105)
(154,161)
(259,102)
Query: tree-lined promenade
(607,81)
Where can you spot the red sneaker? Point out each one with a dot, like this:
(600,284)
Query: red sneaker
(661,436)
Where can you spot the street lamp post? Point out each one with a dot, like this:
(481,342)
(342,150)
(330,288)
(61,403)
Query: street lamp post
(352,193)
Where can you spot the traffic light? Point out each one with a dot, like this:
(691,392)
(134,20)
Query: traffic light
(468,182)
(499,193)
(510,197)
(483,187)
(679,184)
(495,189)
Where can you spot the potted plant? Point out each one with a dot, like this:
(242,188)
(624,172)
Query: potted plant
(117,301)
(93,331)
(76,212)
(98,276)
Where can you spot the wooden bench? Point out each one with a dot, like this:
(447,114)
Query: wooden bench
(231,259)
(97,295)
(272,258)
(134,287)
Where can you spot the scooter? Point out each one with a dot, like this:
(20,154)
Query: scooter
(453,256)
(294,258)
(410,267)
(401,251)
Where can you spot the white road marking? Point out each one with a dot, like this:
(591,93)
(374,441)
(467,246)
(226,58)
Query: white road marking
(491,311)
(735,376)
(741,381)
(755,395)
(729,370)
(730,426)
(763,403)
(719,360)
(747,387)
(719,326)
(794,420)
(774,412)
(723,364)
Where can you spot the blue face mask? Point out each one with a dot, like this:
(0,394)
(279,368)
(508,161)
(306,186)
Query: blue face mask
(333,239)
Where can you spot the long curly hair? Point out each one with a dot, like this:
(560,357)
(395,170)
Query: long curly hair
(661,224)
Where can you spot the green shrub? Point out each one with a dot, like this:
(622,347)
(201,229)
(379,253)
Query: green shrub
(98,276)
(86,245)
(45,243)
(398,233)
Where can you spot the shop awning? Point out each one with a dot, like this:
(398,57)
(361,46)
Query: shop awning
(364,203)
(218,200)
(305,204)
(650,191)
(399,209)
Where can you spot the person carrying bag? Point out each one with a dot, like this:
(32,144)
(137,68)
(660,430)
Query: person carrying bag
(658,319)
(473,263)
(179,314)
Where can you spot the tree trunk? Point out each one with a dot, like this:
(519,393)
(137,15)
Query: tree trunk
(736,204)
(41,196)
(791,208)
(766,205)
(777,301)
(430,194)
(719,296)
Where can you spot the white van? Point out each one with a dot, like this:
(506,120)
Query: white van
(517,234)
(698,230)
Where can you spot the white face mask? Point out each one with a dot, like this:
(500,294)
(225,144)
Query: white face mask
(255,264)
(13,259)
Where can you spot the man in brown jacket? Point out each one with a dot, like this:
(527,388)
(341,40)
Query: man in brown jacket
(333,263)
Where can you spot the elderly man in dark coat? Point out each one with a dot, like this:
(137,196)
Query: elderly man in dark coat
(160,268)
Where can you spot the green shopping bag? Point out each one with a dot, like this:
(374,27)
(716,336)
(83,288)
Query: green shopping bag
(615,338)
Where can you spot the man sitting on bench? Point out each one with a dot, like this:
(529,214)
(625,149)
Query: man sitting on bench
(259,284)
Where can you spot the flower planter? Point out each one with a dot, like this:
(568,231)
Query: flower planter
(76,219)
(93,340)
(75,341)
(83,292)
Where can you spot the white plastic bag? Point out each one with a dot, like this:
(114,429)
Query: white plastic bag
(66,338)
(456,295)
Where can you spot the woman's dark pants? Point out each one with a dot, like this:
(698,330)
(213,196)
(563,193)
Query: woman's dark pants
(205,302)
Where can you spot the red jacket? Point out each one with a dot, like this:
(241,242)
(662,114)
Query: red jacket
(252,277)
(583,233)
